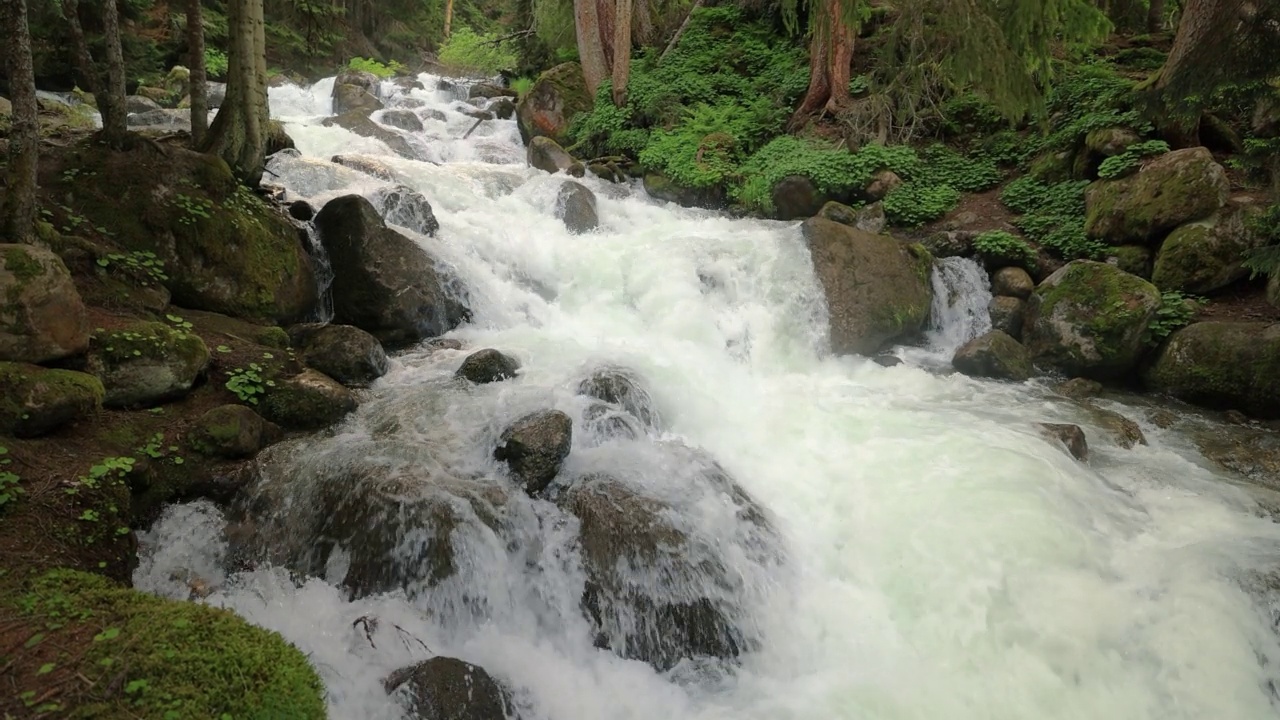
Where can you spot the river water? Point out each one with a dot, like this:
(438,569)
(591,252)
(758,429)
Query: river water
(938,559)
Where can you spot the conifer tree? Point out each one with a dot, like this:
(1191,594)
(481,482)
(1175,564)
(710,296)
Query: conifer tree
(239,131)
(18,209)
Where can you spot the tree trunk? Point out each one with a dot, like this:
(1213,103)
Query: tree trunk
(239,131)
(605,16)
(830,55)
(1177,121)
(448,17)
(586,20)
(621,52)
(18,209)
(641,22)
(199,92)
(1155,16)
(111,100)
(80,48)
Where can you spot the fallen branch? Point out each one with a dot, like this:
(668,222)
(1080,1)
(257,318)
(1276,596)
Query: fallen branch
(683,26)
(473,128)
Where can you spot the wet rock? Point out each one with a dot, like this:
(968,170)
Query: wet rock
(347,354)
(384,283)
(1205,256)
(140,104)
(795,197)
(309,400)
(604,421)
(576,206)
(278,139)
(358,122)
(36,400)
(1071,438)
(993,355)
(445,688)
(42,317)
(146,363)
(409,83)
(301,210)
(886,360)
(478,114)
(1079,388)
(488,365)
(444,344)
(355,91)
(535,446)
(489,90)
(620,387)
(366,165)
(661,187)
(556,97)
(1088,320)
(1250,452)
(231,431)
(1013,282)
(1124,432)
(1175,188)
(1007,314)
(503,108)
(165,120)
(402,205)
(406,120)
(878,289)
(546,155)
(1133,259)
(871,218)
(1221,365)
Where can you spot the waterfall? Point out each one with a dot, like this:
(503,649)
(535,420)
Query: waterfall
(810,537)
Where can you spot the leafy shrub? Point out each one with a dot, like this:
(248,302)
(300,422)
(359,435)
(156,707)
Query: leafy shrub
(1117,166)
(832,170)
(1090,97)
(1052,215)
(1176,311)
(522,85)
(215,62)
(467,50)
(1001,246)
(916,203)
(1265,260)
(370,65)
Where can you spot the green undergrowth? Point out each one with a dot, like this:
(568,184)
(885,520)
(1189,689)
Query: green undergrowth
(1052,214)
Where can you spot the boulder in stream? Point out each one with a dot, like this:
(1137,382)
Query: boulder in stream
(1012,282)
(556,97)
(384,283)
(488,365)
(406,120)
(1070,437)
(546,155)
(1221,365)
(347,354)
(993,355)
(535,446)
(489,90)
(402,205)
(1007,314)
(42,316)
(445,688)
(359,123)
(620,387)
(231,431)
(576,206)
(309,400)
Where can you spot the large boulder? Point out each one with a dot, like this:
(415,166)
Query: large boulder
(1221,365)
(230,431)
(355,91)
(309,400)
(551,104)
(546,155)
(489,90)
(444,688)
(221,248)
(358,122)
(1013,282)
(362,79)
(1173,189)
(1007,314)
(35,400)
(535,446)
(795,197)
(402,205)
(42,317)
(147,363)
(406,120)
(1133,259)
(140,104)
(878,290)
(663,188)
(993,355)
(384,284)
(488,365)
(1088,319)
(1207,255)
(576,206)
(347,354)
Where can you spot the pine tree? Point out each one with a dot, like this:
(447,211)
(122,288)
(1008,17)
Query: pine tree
(109,94)
(239,131)
(18,210)
(195,61)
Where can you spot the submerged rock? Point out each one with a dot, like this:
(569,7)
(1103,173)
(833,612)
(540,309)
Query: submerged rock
(993,355)
(384,283)
(36,400)
(402,205)
(620,387)
(358,122)
(1079,388)
(556,97)
(1124,432)
(576,206)
(1070,436)
(1173,189)
(1221,365)
(445,688)
(42,317)
(147,363)
(535,446)
(488,365)
(878,289)
(406,120)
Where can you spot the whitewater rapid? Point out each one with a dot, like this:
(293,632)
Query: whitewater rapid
(941,560)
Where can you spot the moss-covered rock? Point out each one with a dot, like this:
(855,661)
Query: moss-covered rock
(1205,256)
(1052,167)
(1133,259)
(1013,282)
(1175,188)
(877,288)
(118,654)
(309,400)
(546,155)
(230,431)
(1088,320)
(1007,314)
(1099,145)
(35,400)
(147,363)
(795,197)
(661,187)
(549,107)
(42,316)
(1221,365)
(345,353)
(993,355)
(223,249)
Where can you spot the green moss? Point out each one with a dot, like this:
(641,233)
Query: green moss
(150,340)
(1222,365)
(21,265)
(147,657)
(27,392)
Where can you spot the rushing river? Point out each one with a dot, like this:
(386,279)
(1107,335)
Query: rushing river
(938,559)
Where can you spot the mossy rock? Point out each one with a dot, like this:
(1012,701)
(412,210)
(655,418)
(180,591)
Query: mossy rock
(1173,189)
(1223,365)
(230,431)
(35,400)
(1208,255)
(1133,259)
(147,363)
(661,187)
(224,249)
(993,355)
(119,654)
(309,400)
(557,96)
(42,316)
(878,290)
(1088,319)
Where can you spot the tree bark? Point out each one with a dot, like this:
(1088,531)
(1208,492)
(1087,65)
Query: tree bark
(239,131)
(111,100)
(80,47)
(199,91)
(621,52)
(18,206)
(1178,123)
(586,20)
(641,22)
(1155,16)
(448,17)
(830,55)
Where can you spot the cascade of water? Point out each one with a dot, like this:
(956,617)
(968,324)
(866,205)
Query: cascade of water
(861,542)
